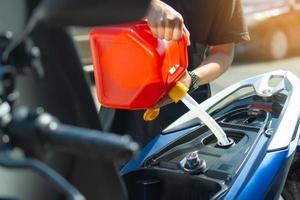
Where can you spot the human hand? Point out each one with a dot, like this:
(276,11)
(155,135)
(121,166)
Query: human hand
(165,22)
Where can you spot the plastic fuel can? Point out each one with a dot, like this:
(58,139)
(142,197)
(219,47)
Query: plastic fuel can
(133,69)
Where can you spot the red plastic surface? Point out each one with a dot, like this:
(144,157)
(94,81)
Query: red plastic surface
(133,69)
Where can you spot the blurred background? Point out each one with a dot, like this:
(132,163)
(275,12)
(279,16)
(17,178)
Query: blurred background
(274,27)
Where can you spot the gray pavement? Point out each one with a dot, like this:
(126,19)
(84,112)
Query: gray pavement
(240,71)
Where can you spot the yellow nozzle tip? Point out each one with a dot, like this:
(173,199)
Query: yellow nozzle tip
(178,91)
(151,114)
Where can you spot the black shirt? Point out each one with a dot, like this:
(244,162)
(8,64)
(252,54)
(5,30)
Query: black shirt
(212,22)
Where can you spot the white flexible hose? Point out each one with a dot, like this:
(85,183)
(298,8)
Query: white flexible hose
(206,119)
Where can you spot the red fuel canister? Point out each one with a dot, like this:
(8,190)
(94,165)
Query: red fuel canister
(133,69)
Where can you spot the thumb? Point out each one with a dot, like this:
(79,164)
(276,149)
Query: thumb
(187,33)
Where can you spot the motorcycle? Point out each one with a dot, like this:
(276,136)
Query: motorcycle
(183,162)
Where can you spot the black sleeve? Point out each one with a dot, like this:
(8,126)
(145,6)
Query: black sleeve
(228,24)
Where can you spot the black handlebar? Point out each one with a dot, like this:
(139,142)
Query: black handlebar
(28,129)
(42,128)
(88,142)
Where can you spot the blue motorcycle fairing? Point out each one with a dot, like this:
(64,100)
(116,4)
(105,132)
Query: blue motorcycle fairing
(259,184)
(260,181)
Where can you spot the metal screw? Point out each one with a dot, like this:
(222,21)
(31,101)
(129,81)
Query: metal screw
(192,160)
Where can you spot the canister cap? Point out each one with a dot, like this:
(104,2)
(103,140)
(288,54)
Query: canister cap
(151,114)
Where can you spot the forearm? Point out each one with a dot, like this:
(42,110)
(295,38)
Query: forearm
(219,59)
